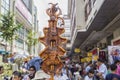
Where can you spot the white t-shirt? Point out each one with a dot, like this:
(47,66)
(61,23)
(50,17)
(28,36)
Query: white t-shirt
(61,77)
(103,69)
(64,71)
(77,75)
(87,68)
(88,78)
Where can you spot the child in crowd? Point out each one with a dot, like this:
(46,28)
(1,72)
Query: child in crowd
(90,75)
(16,76)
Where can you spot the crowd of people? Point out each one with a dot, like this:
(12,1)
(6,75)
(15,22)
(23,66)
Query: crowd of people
(98,70)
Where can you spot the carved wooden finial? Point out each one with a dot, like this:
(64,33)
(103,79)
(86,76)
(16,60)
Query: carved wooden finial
(54,11)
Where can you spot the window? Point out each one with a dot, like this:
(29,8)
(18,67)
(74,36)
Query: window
(5,6)
(28,4)
(25,37)
(26,33)
(73,28)
(19,43)
(35,20)
(26,46)
(20,32)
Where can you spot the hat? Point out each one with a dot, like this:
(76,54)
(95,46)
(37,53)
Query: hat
(40,74)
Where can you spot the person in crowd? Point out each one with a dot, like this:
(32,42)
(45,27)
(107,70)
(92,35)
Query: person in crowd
(113,75)
(31,75)
(41,75)
(60,76)
(102,70)
(16,76)
(90,75)
(79,67)
(1,69)
(77,74)
(66,71)
(25,64)
(73,69)
(88,67)
(95,66)
(108,69)
(117,62)
(82,72)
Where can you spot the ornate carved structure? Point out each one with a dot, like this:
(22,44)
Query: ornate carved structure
(53,42)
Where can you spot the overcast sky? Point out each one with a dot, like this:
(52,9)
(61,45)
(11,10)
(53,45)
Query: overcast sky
(42,5)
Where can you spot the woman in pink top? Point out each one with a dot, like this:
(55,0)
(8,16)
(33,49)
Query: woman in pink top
(117,62)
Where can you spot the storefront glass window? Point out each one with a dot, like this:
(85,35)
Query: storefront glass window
(5,6)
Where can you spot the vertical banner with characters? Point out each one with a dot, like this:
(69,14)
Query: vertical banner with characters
(113,53)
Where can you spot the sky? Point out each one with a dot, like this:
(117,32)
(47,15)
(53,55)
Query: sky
(42,5)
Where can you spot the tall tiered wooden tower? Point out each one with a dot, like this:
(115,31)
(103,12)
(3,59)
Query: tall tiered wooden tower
(53,42)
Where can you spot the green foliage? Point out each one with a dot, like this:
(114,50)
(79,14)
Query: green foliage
(31,40)
(8,27)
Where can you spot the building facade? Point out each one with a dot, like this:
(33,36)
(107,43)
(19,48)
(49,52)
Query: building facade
(25,14)
(67,34)
(94,23)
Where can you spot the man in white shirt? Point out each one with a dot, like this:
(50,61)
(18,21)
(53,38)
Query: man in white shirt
(102,71)
(60,76)
(88,67)
(41,75)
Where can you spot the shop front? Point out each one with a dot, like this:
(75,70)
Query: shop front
(114,50)
(96,53)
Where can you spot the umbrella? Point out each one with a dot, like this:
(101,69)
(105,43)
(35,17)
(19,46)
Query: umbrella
(41,75)
(19,56)
(36,61)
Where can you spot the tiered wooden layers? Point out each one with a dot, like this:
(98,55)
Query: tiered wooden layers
(53,42)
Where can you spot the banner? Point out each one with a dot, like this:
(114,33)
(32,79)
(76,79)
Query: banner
(88,59)
(95,57)
(83,60)
(89,54)
(113,53)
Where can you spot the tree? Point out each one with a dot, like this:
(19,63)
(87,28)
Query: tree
(31,40)
(8,28)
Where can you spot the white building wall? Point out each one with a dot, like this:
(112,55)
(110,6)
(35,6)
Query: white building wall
(116,33)
(95,8)
(80,14)
(67,33)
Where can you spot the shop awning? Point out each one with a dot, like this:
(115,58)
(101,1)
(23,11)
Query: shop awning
(4,52)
